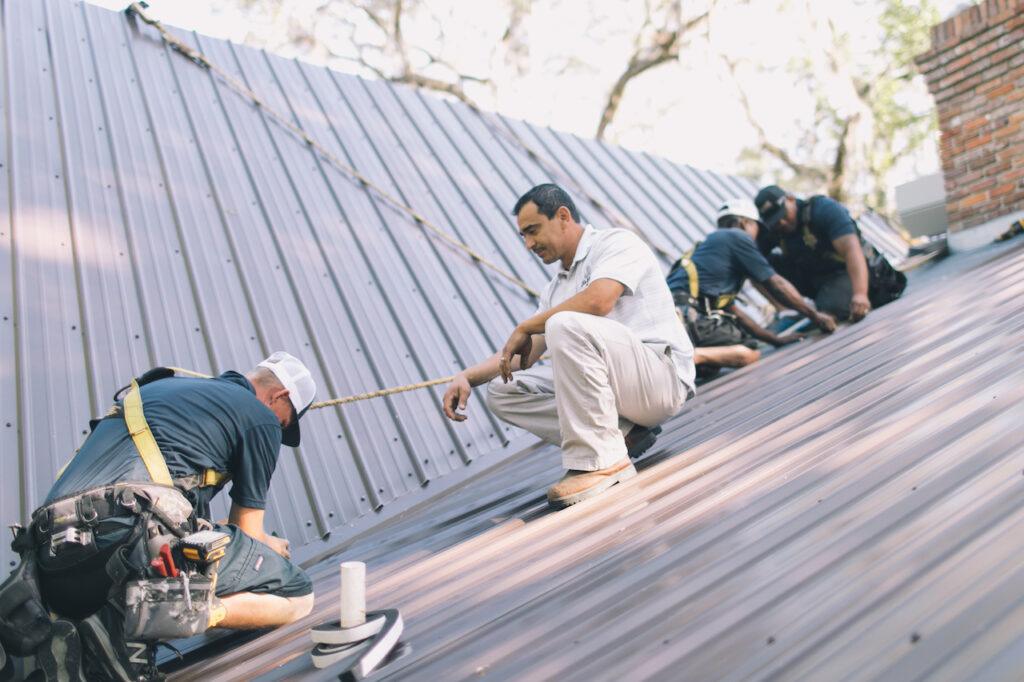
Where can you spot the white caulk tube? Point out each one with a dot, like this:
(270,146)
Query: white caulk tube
(353,594)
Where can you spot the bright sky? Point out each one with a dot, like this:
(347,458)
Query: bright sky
(686,111)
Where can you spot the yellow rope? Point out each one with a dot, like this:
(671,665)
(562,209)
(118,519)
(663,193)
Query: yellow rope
(351,398)
(240,88)
(347,399)
(380,394)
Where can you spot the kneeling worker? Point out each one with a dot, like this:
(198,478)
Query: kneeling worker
(705,281)
(620,360)
(140,485)
(823,254)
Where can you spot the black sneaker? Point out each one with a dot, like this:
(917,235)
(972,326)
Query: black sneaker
(59,659)
(640,439)
(109,656)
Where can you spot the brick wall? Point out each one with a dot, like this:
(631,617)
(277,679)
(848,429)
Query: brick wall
(975,71)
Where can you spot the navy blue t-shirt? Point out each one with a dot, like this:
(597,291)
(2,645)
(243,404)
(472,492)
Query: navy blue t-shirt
(724,260)
(808,251)
(199,424)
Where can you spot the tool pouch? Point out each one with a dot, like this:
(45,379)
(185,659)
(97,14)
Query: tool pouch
(168,608)
(717,328)
(24,620)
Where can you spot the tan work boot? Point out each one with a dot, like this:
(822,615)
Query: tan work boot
(577,486)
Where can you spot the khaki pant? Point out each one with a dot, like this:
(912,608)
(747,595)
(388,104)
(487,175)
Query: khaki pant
(601,380)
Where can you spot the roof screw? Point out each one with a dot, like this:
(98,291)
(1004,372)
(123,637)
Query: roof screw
(914,638)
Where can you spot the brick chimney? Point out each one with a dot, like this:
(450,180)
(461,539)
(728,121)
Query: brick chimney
(975,71)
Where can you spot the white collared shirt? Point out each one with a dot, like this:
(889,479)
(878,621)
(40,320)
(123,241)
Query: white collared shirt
(645,307)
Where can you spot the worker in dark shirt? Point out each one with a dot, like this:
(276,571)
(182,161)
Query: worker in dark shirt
(206,432)
(821,250)
(705,283)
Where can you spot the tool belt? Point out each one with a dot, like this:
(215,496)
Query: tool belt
(149,518)
(169,608)
(708,326)
(65,529)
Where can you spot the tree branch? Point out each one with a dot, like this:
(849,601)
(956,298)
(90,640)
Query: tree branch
(662,47)
(817,174)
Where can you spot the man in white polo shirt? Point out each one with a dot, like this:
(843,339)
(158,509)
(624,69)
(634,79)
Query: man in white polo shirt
(621,362)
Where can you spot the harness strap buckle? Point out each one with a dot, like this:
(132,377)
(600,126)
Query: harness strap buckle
(128,500)
(86,509)
(212,477)
(41,521)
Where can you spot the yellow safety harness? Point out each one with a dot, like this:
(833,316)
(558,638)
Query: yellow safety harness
(686,263)
(149,450)
(143,438)
(808,237)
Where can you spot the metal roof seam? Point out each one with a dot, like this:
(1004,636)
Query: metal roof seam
(687,231)
(318,508)
(391,89)
(440,206)
(487,281)
(90,389)
(186,254)
(598,156)
(403,433)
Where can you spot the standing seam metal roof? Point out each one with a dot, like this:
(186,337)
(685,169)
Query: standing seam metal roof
(155,217)
(847,509)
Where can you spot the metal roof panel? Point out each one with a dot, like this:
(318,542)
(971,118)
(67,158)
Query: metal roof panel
(849,508)
(157,217)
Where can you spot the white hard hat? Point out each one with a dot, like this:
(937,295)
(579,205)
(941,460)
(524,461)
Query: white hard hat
(741,208)
(297,378)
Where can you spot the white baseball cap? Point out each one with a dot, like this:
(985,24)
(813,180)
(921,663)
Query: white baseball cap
(294,376)
(742,208)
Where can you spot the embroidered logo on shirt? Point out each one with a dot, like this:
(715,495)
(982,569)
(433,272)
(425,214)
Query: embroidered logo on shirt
(810,239)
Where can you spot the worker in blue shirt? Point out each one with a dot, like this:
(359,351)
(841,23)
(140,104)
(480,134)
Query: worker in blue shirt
(110,535)
(706,280)
(823,255)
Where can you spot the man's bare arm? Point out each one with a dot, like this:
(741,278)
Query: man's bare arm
(526,344)
(766,292)
(486,370)
(785,291)
(250,521)
(848,246)
(597,299)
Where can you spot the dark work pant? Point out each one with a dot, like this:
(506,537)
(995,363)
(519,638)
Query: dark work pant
(834,294)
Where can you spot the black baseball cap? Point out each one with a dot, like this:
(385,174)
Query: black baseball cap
(771,204)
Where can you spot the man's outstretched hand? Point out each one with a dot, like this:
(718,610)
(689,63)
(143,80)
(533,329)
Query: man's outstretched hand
(519,343)
(456,397)
(825,322)
(860,306)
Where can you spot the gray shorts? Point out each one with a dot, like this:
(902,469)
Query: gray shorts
(251,566)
